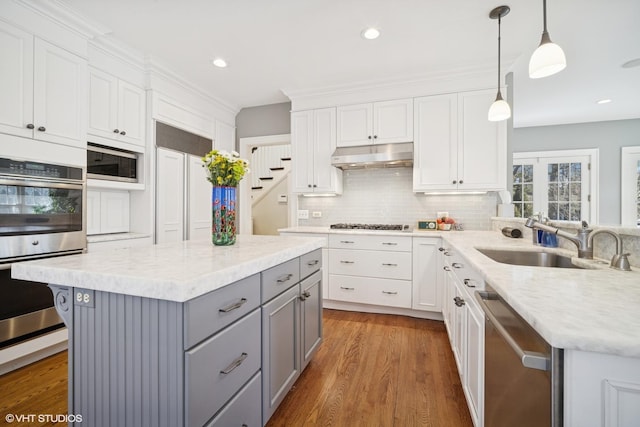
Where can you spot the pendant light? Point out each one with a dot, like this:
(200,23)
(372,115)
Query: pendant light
(548,58)
(500,109)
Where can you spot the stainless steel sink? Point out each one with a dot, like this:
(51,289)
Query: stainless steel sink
(529,258)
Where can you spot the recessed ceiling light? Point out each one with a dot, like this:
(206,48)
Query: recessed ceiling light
(370,33)
(603,101)
(632,63)
(220,63)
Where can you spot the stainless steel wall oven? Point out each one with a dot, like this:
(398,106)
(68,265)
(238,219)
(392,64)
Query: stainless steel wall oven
(41,215)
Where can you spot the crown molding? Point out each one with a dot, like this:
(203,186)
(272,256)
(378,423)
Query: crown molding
(115,48)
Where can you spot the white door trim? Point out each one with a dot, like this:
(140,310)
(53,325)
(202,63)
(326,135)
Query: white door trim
(245,226)
(628,169)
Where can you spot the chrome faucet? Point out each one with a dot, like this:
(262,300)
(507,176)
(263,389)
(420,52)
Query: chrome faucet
(580,239)
(619,261)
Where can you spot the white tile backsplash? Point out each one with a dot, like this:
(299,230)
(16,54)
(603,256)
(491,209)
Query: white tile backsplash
(386,196)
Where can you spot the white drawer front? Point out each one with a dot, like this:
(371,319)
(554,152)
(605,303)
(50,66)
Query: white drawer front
(463,271)
(387,265)
(366,290)
(374,243)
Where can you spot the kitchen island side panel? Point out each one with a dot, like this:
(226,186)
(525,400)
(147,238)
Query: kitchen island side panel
(127,361)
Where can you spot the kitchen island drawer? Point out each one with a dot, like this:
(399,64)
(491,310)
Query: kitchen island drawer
(279,278)
(310,263)
(367,290)
(211,312)
(374,243)
(217,368)
(381,264)
(244,409)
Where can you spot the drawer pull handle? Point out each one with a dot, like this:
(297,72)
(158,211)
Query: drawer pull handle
(347,262)
(390,243)
(285,278)
(458,301)
(347,241)
(446,268)
(234,364)
(312,263)
(447,253)
(389,264)
(469,282)
(233,306)
(390,293)
(347,289)
(456,265)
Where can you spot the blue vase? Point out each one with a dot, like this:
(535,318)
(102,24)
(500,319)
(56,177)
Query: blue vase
(223,206)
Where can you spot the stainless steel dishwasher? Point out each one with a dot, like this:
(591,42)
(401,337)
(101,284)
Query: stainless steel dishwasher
(523,373)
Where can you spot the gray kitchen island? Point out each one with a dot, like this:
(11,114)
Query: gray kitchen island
(186,333)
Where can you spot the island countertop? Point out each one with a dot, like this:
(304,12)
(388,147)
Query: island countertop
(169,271)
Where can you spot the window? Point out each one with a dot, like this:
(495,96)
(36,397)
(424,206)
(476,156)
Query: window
(630,186)
(559,183)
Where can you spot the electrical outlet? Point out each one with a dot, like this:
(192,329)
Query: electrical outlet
(84,297)
(317,214)
(303,214)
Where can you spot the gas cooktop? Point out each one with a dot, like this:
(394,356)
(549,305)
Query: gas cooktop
(381,227)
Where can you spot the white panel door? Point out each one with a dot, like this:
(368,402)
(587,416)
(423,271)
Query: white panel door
(103,107)
(114,211)
(199,199)
(427,291)
(225,138)
(393,121)
(59,95)
(93,212)
(436,143)
(169,196)
(355,125)
(16,81)
(326,178)
(302,151)
(482,144)
(131,113)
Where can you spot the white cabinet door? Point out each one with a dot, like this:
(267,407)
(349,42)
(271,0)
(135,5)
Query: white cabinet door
(459,317)
(427,291)
(225,138)
(16,81)
(114,212)
(436,143)
(131,113)
(393,121)
(93,212)
(474,362)
(355,125)
(169,196)
(326,178)
(59,95)
(103,108)
(482,155)
(302,155)
(199,189)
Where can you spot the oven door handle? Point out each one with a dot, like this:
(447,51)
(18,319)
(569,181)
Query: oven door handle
(529,359)
(39,182)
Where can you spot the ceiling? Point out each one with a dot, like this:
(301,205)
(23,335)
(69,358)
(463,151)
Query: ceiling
(283,46)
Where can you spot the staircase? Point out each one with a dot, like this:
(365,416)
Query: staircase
(269,165)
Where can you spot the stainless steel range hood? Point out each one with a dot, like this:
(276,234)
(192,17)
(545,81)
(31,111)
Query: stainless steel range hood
(374,156)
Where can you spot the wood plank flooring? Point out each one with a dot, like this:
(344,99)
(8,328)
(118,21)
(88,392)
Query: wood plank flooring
(371,370)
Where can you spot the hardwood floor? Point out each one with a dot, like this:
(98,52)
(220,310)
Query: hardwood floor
(371,370)
(377,370)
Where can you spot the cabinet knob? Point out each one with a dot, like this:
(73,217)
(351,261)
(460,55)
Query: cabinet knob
(42,128)
(314,186)
(309,185)
(116,131)
(454,182)
(123,133)
(458,301)
(461,181)
(441,249)
(375,136)
(369,137)
(30,126)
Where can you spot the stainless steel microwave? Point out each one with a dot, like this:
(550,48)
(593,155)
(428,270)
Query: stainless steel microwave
(111,164)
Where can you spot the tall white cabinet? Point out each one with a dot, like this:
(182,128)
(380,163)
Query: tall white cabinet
(183,197)
(455,147)
(43,89)
(313,141)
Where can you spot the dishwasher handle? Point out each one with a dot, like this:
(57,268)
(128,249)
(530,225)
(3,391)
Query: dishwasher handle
(530,359)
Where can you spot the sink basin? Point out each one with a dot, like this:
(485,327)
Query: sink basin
(529,258)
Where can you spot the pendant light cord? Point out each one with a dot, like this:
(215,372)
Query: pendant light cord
(544,15)
(499,24)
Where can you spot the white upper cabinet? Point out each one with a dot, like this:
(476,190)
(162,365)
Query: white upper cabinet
(313,141)
(375,123)
(456,147)
(225,138)
(116,109)
(43,89)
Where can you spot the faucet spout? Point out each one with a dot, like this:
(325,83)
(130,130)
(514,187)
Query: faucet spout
(580,239)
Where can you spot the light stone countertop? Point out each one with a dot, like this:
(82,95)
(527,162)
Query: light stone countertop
(593,309)
(98,238)
(170,271)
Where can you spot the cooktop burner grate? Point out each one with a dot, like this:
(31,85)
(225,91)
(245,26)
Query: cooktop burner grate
(385,227)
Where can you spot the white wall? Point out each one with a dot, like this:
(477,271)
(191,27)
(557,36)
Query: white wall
(269,215)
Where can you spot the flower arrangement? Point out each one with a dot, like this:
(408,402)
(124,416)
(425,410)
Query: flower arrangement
(224,168)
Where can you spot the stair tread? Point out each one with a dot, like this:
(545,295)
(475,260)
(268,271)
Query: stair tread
(284,159)
(280,168)
(257,188)
(266,178)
